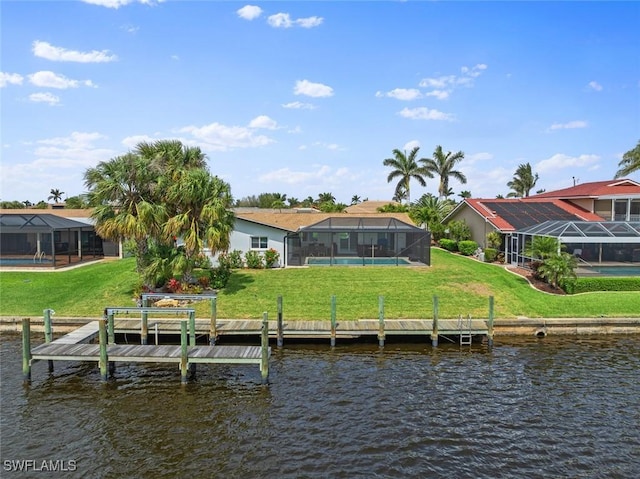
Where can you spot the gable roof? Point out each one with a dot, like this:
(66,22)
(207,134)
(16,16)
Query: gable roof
(517,213)
(292,222)
(595,189)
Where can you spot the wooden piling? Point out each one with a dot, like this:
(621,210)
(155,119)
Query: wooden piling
(214,316)
(280,331)
(111,328)
(184,361)
(192,340)
(381,335)
(26,350)
(48,333)
(103,363)
(434,332)
(333,320)
(490,324)
(264,343)
(144,327)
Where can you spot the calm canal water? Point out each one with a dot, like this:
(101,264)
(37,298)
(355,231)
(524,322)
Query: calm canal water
(551,408)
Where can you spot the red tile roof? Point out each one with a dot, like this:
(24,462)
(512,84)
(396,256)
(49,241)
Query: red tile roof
(623,187)
(503,225)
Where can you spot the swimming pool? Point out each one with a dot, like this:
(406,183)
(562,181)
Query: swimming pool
(615,270)
(354,261)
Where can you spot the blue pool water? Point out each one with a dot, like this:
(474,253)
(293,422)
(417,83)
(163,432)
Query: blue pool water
(617,270)
(357,261)
(22,261)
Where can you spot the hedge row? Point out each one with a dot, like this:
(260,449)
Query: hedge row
(586,285)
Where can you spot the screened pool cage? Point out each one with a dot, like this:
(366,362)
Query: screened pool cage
(359,242)
(591,242)
(46,240)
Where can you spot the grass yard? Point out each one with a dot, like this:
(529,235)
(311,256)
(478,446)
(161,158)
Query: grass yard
(462,285)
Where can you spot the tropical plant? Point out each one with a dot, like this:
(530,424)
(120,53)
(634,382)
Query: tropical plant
(524,180)
(429,211)
(253,260)
(355,199)
(56,195)
(326,198)
(293,202)
(405,168)
(271,257)
(543,247)
(393,208)
(559,269)
(332,207)
(464,194)
(494,240)
(77,202)
(458,230)
(27,203)
(630,162)
(443,164)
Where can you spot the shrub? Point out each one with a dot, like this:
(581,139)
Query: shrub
(467,247)
(448,244)
(459,230)
(174,286)
(490,254)
(271,257)
(494,240)
(220,276)
(253,260)
(232,260)
(500,257)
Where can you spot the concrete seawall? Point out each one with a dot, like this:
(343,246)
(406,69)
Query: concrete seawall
(539,327)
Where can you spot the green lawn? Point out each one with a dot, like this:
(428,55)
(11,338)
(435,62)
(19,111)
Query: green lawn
(462,285)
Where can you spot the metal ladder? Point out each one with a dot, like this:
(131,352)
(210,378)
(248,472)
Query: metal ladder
(464,326)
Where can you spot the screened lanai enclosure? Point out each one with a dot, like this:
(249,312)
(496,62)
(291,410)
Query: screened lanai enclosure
(358,241)
(591,242)
(46,240)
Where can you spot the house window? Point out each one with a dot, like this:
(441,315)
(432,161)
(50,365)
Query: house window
(259,242)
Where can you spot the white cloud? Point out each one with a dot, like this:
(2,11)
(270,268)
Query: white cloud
(283,20)
(222,138)
(411,145)
(569,125)
(44,98)
(249,12)
(315,90)
(405,94)
(321,173)
(76,140)
(120,3)
(595,86)
(130,28)
(423,113)
(132,141)
(296,105)
(59,54)
(309,22)
(280,20)
(48,79)
(263,121)
(476,157)
(560,161)
(443,86)
(10,79)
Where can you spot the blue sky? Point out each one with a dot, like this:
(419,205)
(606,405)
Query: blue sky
(304,98)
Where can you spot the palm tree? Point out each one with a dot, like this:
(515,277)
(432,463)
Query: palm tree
(524,180)
(630,162)
(464,194)
(203,215)
(122,191)
(326,198)
(56,195)
(559,269)
(355,199)
(430,210)
(443,164)
(406,168)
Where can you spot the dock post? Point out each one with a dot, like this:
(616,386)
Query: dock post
(381,335)
(333,321)
(103,363)
(434,332)
(48,332)
(280,340)
(490,324)
(192,340)
(264,343)
(184,361)
(214,316)
(110,328)
(144,327)
(26,350)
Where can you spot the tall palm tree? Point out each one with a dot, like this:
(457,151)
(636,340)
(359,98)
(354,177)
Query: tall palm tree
(630,162)
(524,180)
(326,198)
(464,194)
(355,199)
(443,164)
(55,195)
(405,167)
